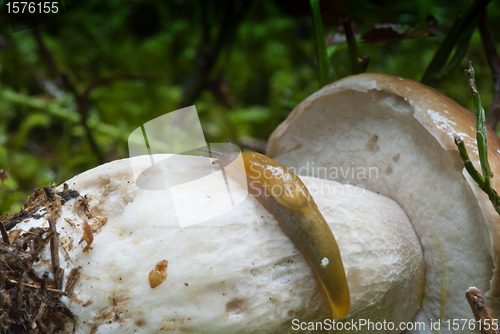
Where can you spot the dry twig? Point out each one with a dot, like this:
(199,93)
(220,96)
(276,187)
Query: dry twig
(5,236)
(481,311)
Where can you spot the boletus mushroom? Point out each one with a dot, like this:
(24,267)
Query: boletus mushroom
(413,230)
(406,131)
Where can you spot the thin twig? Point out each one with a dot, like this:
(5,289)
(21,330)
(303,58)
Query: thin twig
(47,55)
(82,108)
(40,313)
(5,236)
(54,244)
(71,280)
(467,163)
(494,62)
(49,192)
(353,47)
(63,78)
(208,53)
(33,286)
(480,126)
(54,253)
(484,180)
(40,247)
(481,311)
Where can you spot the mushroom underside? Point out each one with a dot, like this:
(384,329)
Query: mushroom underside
(374,139)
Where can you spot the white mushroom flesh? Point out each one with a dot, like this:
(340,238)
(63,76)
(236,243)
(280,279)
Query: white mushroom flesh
(350,132)
(237,273)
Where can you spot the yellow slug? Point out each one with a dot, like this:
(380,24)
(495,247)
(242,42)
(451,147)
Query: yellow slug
(283,194)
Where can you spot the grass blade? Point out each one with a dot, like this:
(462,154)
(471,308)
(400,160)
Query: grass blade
(459,54)
(323,69)
(459,28)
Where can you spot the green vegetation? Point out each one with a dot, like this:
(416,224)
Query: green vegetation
(484,180)
(72,90)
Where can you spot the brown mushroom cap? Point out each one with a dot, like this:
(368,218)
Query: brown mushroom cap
(405,130)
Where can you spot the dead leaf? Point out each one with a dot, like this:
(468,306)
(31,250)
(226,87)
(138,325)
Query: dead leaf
(388,33)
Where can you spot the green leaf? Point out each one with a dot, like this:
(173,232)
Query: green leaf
(54,107)
(30,122)
(6,205)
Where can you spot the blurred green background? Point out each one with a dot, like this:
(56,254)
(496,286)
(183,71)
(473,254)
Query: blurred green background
(73,89)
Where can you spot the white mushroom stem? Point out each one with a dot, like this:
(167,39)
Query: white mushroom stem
(235,273)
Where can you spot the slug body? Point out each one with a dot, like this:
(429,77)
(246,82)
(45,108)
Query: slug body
(283,194)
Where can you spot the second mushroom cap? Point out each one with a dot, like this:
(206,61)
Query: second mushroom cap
(405,131)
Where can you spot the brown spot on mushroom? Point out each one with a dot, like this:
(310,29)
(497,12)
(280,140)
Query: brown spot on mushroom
(88,302)
(158,274)
(140,323)
(168,325)
(371,145)
(94,329)
(388,170)
(88,235)
(70,222)
(116,311)
(396,158)
(99,221)
(235,306)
